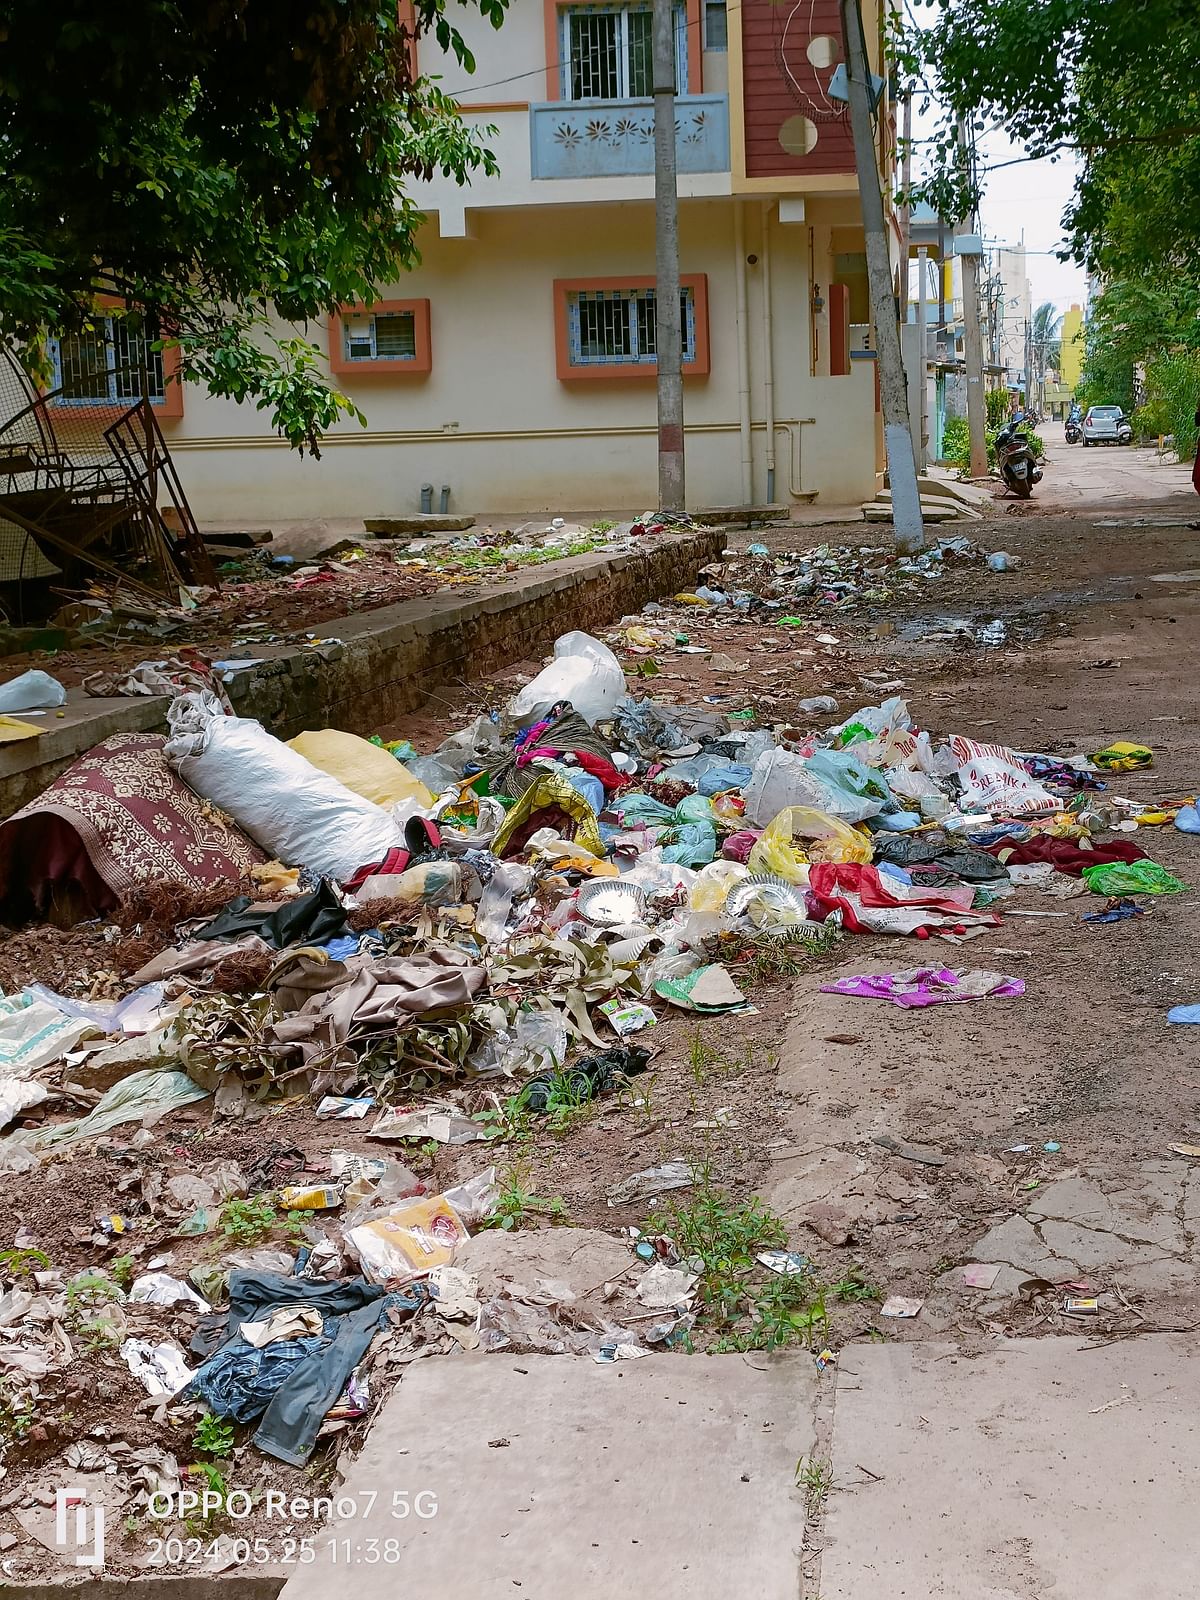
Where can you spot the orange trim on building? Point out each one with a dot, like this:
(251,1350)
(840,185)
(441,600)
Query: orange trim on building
(697,282)
(839,330)
(420,366)
(695,46)
(492,105)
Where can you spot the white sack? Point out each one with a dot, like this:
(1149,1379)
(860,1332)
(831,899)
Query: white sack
(297,813)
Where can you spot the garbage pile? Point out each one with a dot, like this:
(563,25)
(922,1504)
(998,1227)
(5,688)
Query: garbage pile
(404,943)
(841,578)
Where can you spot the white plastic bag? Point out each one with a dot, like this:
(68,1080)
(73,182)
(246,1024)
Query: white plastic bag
(780,779)
(299,814)
(993,779)
(30,690)
(583,671)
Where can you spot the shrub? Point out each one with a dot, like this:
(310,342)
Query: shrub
(1172,395)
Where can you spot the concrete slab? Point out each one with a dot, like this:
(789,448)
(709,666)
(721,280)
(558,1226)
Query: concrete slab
(1039,1468)
(671,1476)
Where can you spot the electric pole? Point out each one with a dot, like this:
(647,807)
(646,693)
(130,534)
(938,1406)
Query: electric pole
(906,208)
(1028,365)
(893,390)
(922,364)
(668,330)
(973,348)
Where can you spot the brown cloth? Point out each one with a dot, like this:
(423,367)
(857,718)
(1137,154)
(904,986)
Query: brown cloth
(377,996)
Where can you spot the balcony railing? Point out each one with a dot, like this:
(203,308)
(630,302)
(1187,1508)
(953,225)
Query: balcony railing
(615,138)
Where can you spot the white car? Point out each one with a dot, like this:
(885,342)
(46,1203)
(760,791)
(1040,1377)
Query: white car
(1106,425)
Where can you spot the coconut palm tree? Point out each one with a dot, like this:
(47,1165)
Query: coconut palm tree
(1047,345)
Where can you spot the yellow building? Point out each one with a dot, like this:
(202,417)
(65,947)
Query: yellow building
(1070,362)
(516,363)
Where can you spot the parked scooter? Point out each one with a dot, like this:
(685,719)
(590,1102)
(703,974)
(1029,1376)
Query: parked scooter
(1018,469)
(1124,431)
(1073,431)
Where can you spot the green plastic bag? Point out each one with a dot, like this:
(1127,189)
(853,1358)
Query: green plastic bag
(1131,877)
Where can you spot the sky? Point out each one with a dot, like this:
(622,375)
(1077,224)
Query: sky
(1030,198)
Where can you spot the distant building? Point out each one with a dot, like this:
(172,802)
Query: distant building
(1070,361)
(516,364)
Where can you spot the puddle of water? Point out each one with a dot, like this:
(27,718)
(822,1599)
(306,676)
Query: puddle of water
(1175,577)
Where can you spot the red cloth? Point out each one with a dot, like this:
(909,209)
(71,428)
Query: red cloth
(832,884)
(1196,473)
(396,860)
(609,775)
(1064,854)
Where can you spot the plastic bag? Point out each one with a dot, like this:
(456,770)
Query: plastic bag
(410,1241)
(993,779)
(1114,878)
(1124,757)
(781,779)
(831,840)
(694,845)
(711,888)
(495,905)
(31,690)
(362,766)
(583,671)
(299,814)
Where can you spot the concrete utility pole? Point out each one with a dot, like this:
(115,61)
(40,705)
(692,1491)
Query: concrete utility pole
(893,389)
(973,353)
(905,209)
(922,366)
(668,331)
(1029,396)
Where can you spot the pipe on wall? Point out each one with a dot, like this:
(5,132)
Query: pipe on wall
(768,351)
(743,352)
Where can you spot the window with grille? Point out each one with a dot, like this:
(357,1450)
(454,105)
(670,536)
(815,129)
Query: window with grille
(103,365)
(381,336)
(607,52)
(617,327)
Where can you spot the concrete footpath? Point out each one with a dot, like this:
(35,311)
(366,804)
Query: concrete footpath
(1044,1467)
(670,1477)
(1039,1468)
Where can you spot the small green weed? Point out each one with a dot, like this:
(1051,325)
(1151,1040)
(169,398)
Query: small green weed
(568,1101)
(702,1058)
(510,1122)
(90,1289)
(215,1483)
(752,1308)
(16,1414)
(815,1477)
(121,1270)
(23,1263)
(249,1221)
(854,1287)
(97,1333)
(518,1206)
(213,1436)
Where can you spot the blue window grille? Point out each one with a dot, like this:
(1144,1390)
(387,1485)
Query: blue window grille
(617,327)
(102,365)
(383,336)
